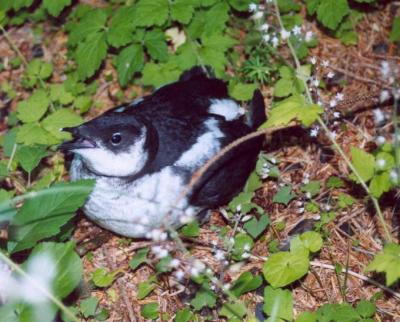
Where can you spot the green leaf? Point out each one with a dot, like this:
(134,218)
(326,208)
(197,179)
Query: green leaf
(91,23)
(245,283)
(150,311)
(184,315)
(60,119)
(139,258)
(387,261)
(307,317)
(34,222)
(345,200)
(38,69)
(191,229)
(363,162)
(34,107)
(146,287)
(335,182)
(205,297)
(68,272)
(312,6)
(278,303)
(156,45)
(331,12)
(152,12)
(29,156)
(284,195)
(242,92)
(182,11)
(384,161)
(58,93)
(256,227)
(55,7)
(102,278)
(33,133)
(129,61)
(395,32)
(380,184)
(89,306)
(366,309)
(240,5)
(309,240)
(122,26)
(233,311)
(90,54)
(283,268)
(313,188)
(242,246)
(293,108)
(160,74)
(337,313)
(216,18)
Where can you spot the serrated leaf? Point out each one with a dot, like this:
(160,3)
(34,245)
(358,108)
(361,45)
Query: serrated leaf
(91,23)
(182,11)
(363,162)
(152,12)
(68,266)
(313,188)
(156,45)
(150,311)
(243,244)
(387,261)
(38,68)
(122,25)
(89,306)
(366,308)
(55,7)
(60,119)
(242,92)
(34,222)
(146,287)
(90,54)
(310,240)
(160,74)
(278,303)
(184,315)
(139,258)
(283,268)
(256,227)
(102,278)
(331,12)
(191,229)
(205,297)
(216,18)
(380,184)
(284,195)
(33,133)
(29,156)
(58,93)
(312,6)
(294,107)
(34,107)
(245,283)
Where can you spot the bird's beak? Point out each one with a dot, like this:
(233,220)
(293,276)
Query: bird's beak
(78,141)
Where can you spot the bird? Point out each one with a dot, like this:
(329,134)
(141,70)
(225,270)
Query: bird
(143,154)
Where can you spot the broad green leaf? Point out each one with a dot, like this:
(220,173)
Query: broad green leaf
(335,182)
(38,69)
(363,162)
(395,32)
(283,268)
(34,107)
(68,265)
(387,261)
(90,54)
(91,23)
(139,258)
(146,287)
(337,313)
(218,42)
(89,306)
(160,74)
(152,12)
(182,11)
(34,222)
(191,229)
(242,92)
(240,5)
(129,61)
(307,317)
(331,12)
(184,315)
(55,7)
(58,93)
(60,119)
(366,308)
(122,26)
(242,246)
(102,278)
(18,4)
(233,311)
(380,184)
(278,303)
(384,161)
(245,283)
(150,311)
(284,195)
(216,18)
(29,156)
(310,240)
(293,108)
(33,133)
(283,87)
(313,188)
(256,227)
(156,45)
(205,297)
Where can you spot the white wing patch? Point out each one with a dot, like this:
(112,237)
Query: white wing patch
(132,104)
(226,108)
(206,146)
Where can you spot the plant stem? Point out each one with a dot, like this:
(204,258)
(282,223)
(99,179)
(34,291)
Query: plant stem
(39,287)
(333,140)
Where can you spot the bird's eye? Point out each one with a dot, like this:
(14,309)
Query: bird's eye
(116,138)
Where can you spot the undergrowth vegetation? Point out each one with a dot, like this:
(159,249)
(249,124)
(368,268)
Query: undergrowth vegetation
(136,46)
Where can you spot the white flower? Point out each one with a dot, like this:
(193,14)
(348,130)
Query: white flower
(266,38)
(238,208)
(185,219)
(394,176)
(253,7)
(330,75)
(314,131)
(381,163)
(379,117)
(275,41)
(258,15)
(336,115)
(325,63)
(313,60)
(300,210)
(332,103)
(157,235)
(285,34)
(380,140)
(385,69)
(296,30)
(339,97)
(332,135)
(159,251)
(179,275)
(273,160)
(315,82)
(264,27)
(226,286)
(175,263)
(246,218)
(309,36)
(219,255)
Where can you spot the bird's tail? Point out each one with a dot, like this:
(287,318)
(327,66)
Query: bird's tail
(256,115)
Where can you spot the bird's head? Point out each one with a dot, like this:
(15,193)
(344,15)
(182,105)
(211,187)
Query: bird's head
(111,145)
